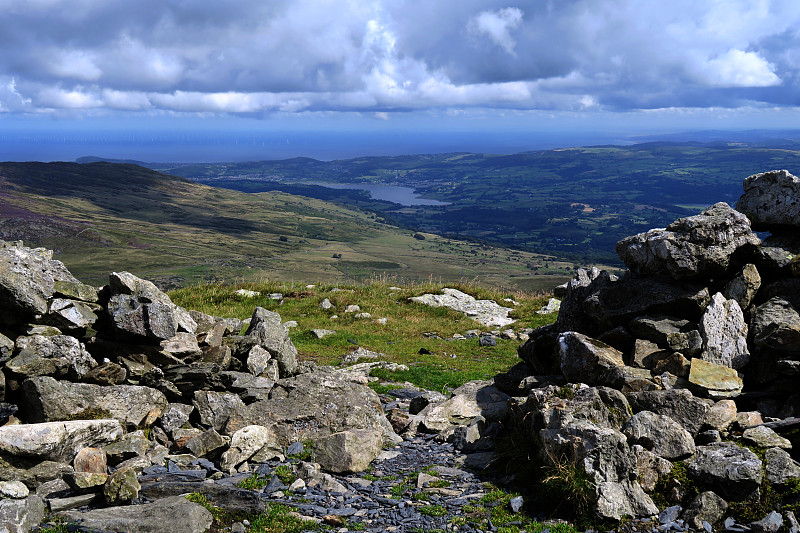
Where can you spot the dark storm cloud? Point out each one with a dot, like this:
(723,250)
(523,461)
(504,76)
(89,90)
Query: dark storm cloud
(255,57)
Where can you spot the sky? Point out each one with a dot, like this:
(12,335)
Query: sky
(328,77)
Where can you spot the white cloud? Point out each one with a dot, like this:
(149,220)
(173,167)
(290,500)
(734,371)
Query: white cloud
(737,68)
(497,25)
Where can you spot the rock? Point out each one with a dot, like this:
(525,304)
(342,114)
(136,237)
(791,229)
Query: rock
(724,333)
(48,400)
(714,381)
(121,486)
(326,304)
(57,441)
(182,516)
(127,447)
(258,360)
(181,345)
(268,330)
(766,438)
(354,355)
(721,415)
(780,467)
(15,490)
(657,328)
(651,467)
(216,408)
(107,374)
(93,460)
(312,405)
(770,199)
(56,355)
(691,247)
(731,470)
(245,443)
(776,327)
(353,308)
(659,434)
(706,507)
(347,451)
(421,401)
(743,288)
(83,482)
(75,290)
(487,312)
(322,333)
(250,388)
(175,416)
(27,281)
(473,399)
(587,360)
(553,305)
(206,443)
(137,308)
(72,315)
(20,516)
(769,524)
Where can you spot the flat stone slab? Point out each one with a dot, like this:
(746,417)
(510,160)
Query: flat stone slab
(487,312)
(178,513)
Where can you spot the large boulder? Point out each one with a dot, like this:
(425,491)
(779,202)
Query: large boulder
(21,515)
(27,281)
(47,400)
(57,441)
(473,399)
(181,516)
(137,308)
(51,355)
(313,405)
(348,451)
(771,199)
(659,434)
(776,327)
(693,247)
(730,470)
(268,329)
(581,425)
(587,360)
(678,404)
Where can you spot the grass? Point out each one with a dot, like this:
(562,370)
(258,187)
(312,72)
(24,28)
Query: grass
(254,482)
(449,364)
(277,519)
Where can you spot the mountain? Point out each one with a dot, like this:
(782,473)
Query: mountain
(100,217)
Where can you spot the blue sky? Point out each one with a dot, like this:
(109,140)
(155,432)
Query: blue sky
(370,70)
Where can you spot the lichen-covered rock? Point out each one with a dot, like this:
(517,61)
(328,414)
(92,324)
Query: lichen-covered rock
(182,516)
(714,381)
(765,437)
(587,360)
(476,398)
(705,507)
(27,281)
(216,408)
(659,434)
(47,399)
(248,441)
(51,355)
(776,327)
(743,288)
(771,199)
(724,333)
(731,470)
(138,308)
(779,466)
(121,486)
(20,516)
(487,312)
(651,467)
(57,441)
(270,333)
(691,247)
(348,451)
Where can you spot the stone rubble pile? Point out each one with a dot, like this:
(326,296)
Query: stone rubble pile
(678,369)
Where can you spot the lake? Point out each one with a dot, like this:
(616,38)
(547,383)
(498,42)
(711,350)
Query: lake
(390,193)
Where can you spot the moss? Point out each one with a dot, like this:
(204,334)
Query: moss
(91,413)
(566,392)
(254,482)
(285,474)
(678,477)
(432,510)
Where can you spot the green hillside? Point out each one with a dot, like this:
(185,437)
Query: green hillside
(101,217)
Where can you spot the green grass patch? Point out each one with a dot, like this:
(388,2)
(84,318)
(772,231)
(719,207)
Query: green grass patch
(432,510)
(254,482)
(285,474)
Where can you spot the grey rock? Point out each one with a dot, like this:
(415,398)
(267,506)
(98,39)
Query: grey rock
(780,467)
(27,281)
(487,312)
(322,333)
(216,408)
(516,504)
(587,360)
(765,437)
(771,199)
(57,441)
(107,374)
(691,247)
(669,515)
(268,330)
(657,328)
(794,526)
(250,388)
(776,327)
(182,516)
(714,381)
(743,288)
(678,404)
(421,401)
(721,415)
(724,333)
(72,314)
(206,443)
(55,355)
(247,442)
(121,486)
(309,406)
(733,471)
(258,360)
(175,416)
(347,451)
(181,345)
(769,524)
(126,447)
(48,400)
(473,399)
(659,434)
(20,516)
(706,507)
(651,468)
(355,355)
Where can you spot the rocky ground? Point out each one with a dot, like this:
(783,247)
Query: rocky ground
(661,400)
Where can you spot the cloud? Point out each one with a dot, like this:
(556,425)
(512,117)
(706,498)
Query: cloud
(249,57)
(497,25)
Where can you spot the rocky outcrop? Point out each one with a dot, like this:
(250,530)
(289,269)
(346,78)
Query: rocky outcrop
(702,329)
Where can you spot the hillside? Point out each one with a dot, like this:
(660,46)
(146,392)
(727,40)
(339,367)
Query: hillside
(575,202)
(102,216)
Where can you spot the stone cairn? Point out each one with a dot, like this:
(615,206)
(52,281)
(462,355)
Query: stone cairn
(690,358)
